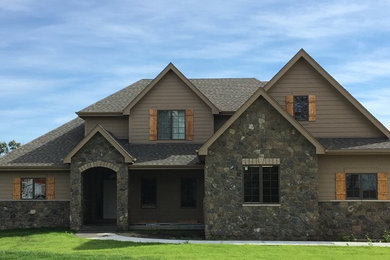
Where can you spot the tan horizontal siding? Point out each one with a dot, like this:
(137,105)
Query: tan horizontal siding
(61,179)
(328,166)
(117,125)
(336,116)
(170,93)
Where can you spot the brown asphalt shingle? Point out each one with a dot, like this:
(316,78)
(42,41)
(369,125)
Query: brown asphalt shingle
(49,149)
(228,94)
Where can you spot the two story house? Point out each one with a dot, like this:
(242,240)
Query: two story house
(294,158)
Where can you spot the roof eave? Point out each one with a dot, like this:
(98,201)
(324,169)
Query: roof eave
(358,152)
(35,168)
(85,114)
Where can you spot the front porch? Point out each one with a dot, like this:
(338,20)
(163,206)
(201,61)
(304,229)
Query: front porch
(158,199)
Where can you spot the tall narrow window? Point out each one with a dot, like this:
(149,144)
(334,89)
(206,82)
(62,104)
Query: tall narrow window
(270,184)
(171,124)
(361,186)
(251,184)
(301,108)
(33,188)
(261,184)
(188,193)
(148,193)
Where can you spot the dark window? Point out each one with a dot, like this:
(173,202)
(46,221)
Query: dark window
(361,186)
(33,188)
(301,108)
(261,184)
(171,124)
(188,193)
(148,193)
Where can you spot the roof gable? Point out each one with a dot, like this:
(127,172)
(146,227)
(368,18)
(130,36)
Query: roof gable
(302,54)
(261,93)
(170,67)
(107,136)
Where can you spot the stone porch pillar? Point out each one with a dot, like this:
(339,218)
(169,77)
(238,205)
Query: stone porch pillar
(76,212)
(122,205)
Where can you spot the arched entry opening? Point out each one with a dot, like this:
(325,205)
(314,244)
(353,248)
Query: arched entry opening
(99,196)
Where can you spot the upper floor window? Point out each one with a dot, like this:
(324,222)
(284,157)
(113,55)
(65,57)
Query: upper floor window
(171,124)
(301,108)
(361,186)
(33,188)
(261,184)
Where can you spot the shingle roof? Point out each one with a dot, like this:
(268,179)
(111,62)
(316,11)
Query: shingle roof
(228,94)
(163,154)
(49,149)
(355,143)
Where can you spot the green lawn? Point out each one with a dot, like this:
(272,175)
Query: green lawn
(60,244)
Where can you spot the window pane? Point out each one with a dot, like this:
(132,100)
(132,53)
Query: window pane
(148,193)
(39,188)
(301,108)
(270,184)
(163,124)
(251,184)
(27,188)
(188,193)
(369,186)
(178,124)
(171,124)
(353,185)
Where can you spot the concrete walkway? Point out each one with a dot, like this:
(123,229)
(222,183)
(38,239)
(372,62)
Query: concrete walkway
(113,236)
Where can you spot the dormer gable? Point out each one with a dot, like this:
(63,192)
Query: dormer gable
(170,68)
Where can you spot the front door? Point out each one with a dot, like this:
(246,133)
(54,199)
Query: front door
(109,199)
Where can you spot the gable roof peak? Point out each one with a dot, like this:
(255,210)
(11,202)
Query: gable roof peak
(317,67)
(100,129)
(170,67)
(203,150)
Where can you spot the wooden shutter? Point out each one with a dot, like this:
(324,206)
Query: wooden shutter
(341,193)
(382,185)
(290,105)
(189,125)
(50,188)
(312,108)
(16,189)
(152,124)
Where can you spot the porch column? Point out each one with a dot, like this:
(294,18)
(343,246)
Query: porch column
(76,212)
(122,210)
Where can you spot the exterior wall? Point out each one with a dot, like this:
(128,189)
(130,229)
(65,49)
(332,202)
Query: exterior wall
(170,93)
(219,120)
(61,179)
(346,220)
(117,125)
(261,130)
(329,165)
(98,152)
(33,214)
(168,208)
(336,117)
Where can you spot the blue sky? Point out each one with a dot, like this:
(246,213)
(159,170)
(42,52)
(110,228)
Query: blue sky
(57,57)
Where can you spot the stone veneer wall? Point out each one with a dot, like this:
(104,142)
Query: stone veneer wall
(261,131)
(98,152)
(33,214)
(347,219)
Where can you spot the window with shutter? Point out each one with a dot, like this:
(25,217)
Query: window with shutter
(302,108)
